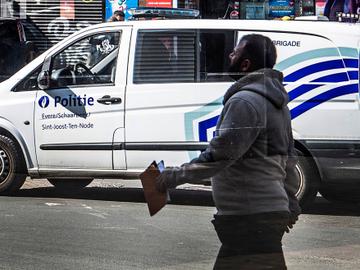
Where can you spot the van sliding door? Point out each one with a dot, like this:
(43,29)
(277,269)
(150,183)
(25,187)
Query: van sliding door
(174,95)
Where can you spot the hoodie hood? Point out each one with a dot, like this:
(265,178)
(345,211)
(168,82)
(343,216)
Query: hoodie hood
(265,82)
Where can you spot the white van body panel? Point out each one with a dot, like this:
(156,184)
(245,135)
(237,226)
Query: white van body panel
(15,110)
(91,125)
(173,121)
(320,66)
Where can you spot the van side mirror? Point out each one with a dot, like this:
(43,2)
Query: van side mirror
(43,80)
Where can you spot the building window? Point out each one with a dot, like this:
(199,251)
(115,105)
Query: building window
(192,4)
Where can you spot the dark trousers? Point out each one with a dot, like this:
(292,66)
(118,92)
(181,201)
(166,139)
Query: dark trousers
(251,242)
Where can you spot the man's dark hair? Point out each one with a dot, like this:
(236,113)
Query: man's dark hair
(119,13)
(260,50)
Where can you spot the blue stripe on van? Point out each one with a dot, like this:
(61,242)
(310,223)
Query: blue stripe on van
(342,52)
(302,89)
(190,117)
(326,96)
(348,55)
(333,78)
(322,66)
(301,57)
(205,125)
(354,75)
(351,63)
(349,52)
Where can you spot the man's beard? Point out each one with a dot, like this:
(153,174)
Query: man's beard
(235,73)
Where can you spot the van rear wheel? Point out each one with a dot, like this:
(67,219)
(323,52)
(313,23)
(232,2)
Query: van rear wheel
(70,183)
(309,180)
(12,166)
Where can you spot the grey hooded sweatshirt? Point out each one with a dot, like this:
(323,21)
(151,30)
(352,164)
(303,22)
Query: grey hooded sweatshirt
(252,151)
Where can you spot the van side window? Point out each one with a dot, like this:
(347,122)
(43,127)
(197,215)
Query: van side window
(180,56)
(89,61)
(165,56)
(215,47)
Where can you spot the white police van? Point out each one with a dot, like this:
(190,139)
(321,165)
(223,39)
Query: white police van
(111,98)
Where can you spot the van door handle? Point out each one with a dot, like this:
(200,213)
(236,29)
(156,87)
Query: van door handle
(107,100)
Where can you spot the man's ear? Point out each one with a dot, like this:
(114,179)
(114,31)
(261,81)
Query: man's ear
(245,65)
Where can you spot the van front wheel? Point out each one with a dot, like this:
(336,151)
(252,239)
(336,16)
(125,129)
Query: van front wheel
(12,168)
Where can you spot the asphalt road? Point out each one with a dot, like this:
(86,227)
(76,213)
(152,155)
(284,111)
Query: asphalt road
(108,227)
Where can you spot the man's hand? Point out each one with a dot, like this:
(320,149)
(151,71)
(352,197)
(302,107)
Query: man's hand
(292,220)
(166,180)
(161,184)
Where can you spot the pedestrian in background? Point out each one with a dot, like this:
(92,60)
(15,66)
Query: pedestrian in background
(118,16)
(251,160)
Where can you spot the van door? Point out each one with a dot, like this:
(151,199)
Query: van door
(76,118)
(174,94)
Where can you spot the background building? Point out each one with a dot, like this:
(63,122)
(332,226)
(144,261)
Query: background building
(49,21)
(46,22)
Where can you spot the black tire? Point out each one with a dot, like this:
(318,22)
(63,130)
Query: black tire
(70,183)
(309,180)
(12,166)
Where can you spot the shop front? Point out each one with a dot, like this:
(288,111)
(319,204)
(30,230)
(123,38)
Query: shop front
(243,9)
(49,21)
(262,9)
(46,22)
(126,5)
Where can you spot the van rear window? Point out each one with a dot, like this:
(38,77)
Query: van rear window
(180,56)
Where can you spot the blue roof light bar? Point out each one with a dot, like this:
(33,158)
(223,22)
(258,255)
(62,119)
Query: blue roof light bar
(165,13)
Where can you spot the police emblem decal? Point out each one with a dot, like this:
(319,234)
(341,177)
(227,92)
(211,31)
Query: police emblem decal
(44,101)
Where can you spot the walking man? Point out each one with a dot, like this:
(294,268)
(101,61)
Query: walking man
(251,161)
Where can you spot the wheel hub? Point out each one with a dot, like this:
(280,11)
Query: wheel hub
(4,165)
(301,180)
